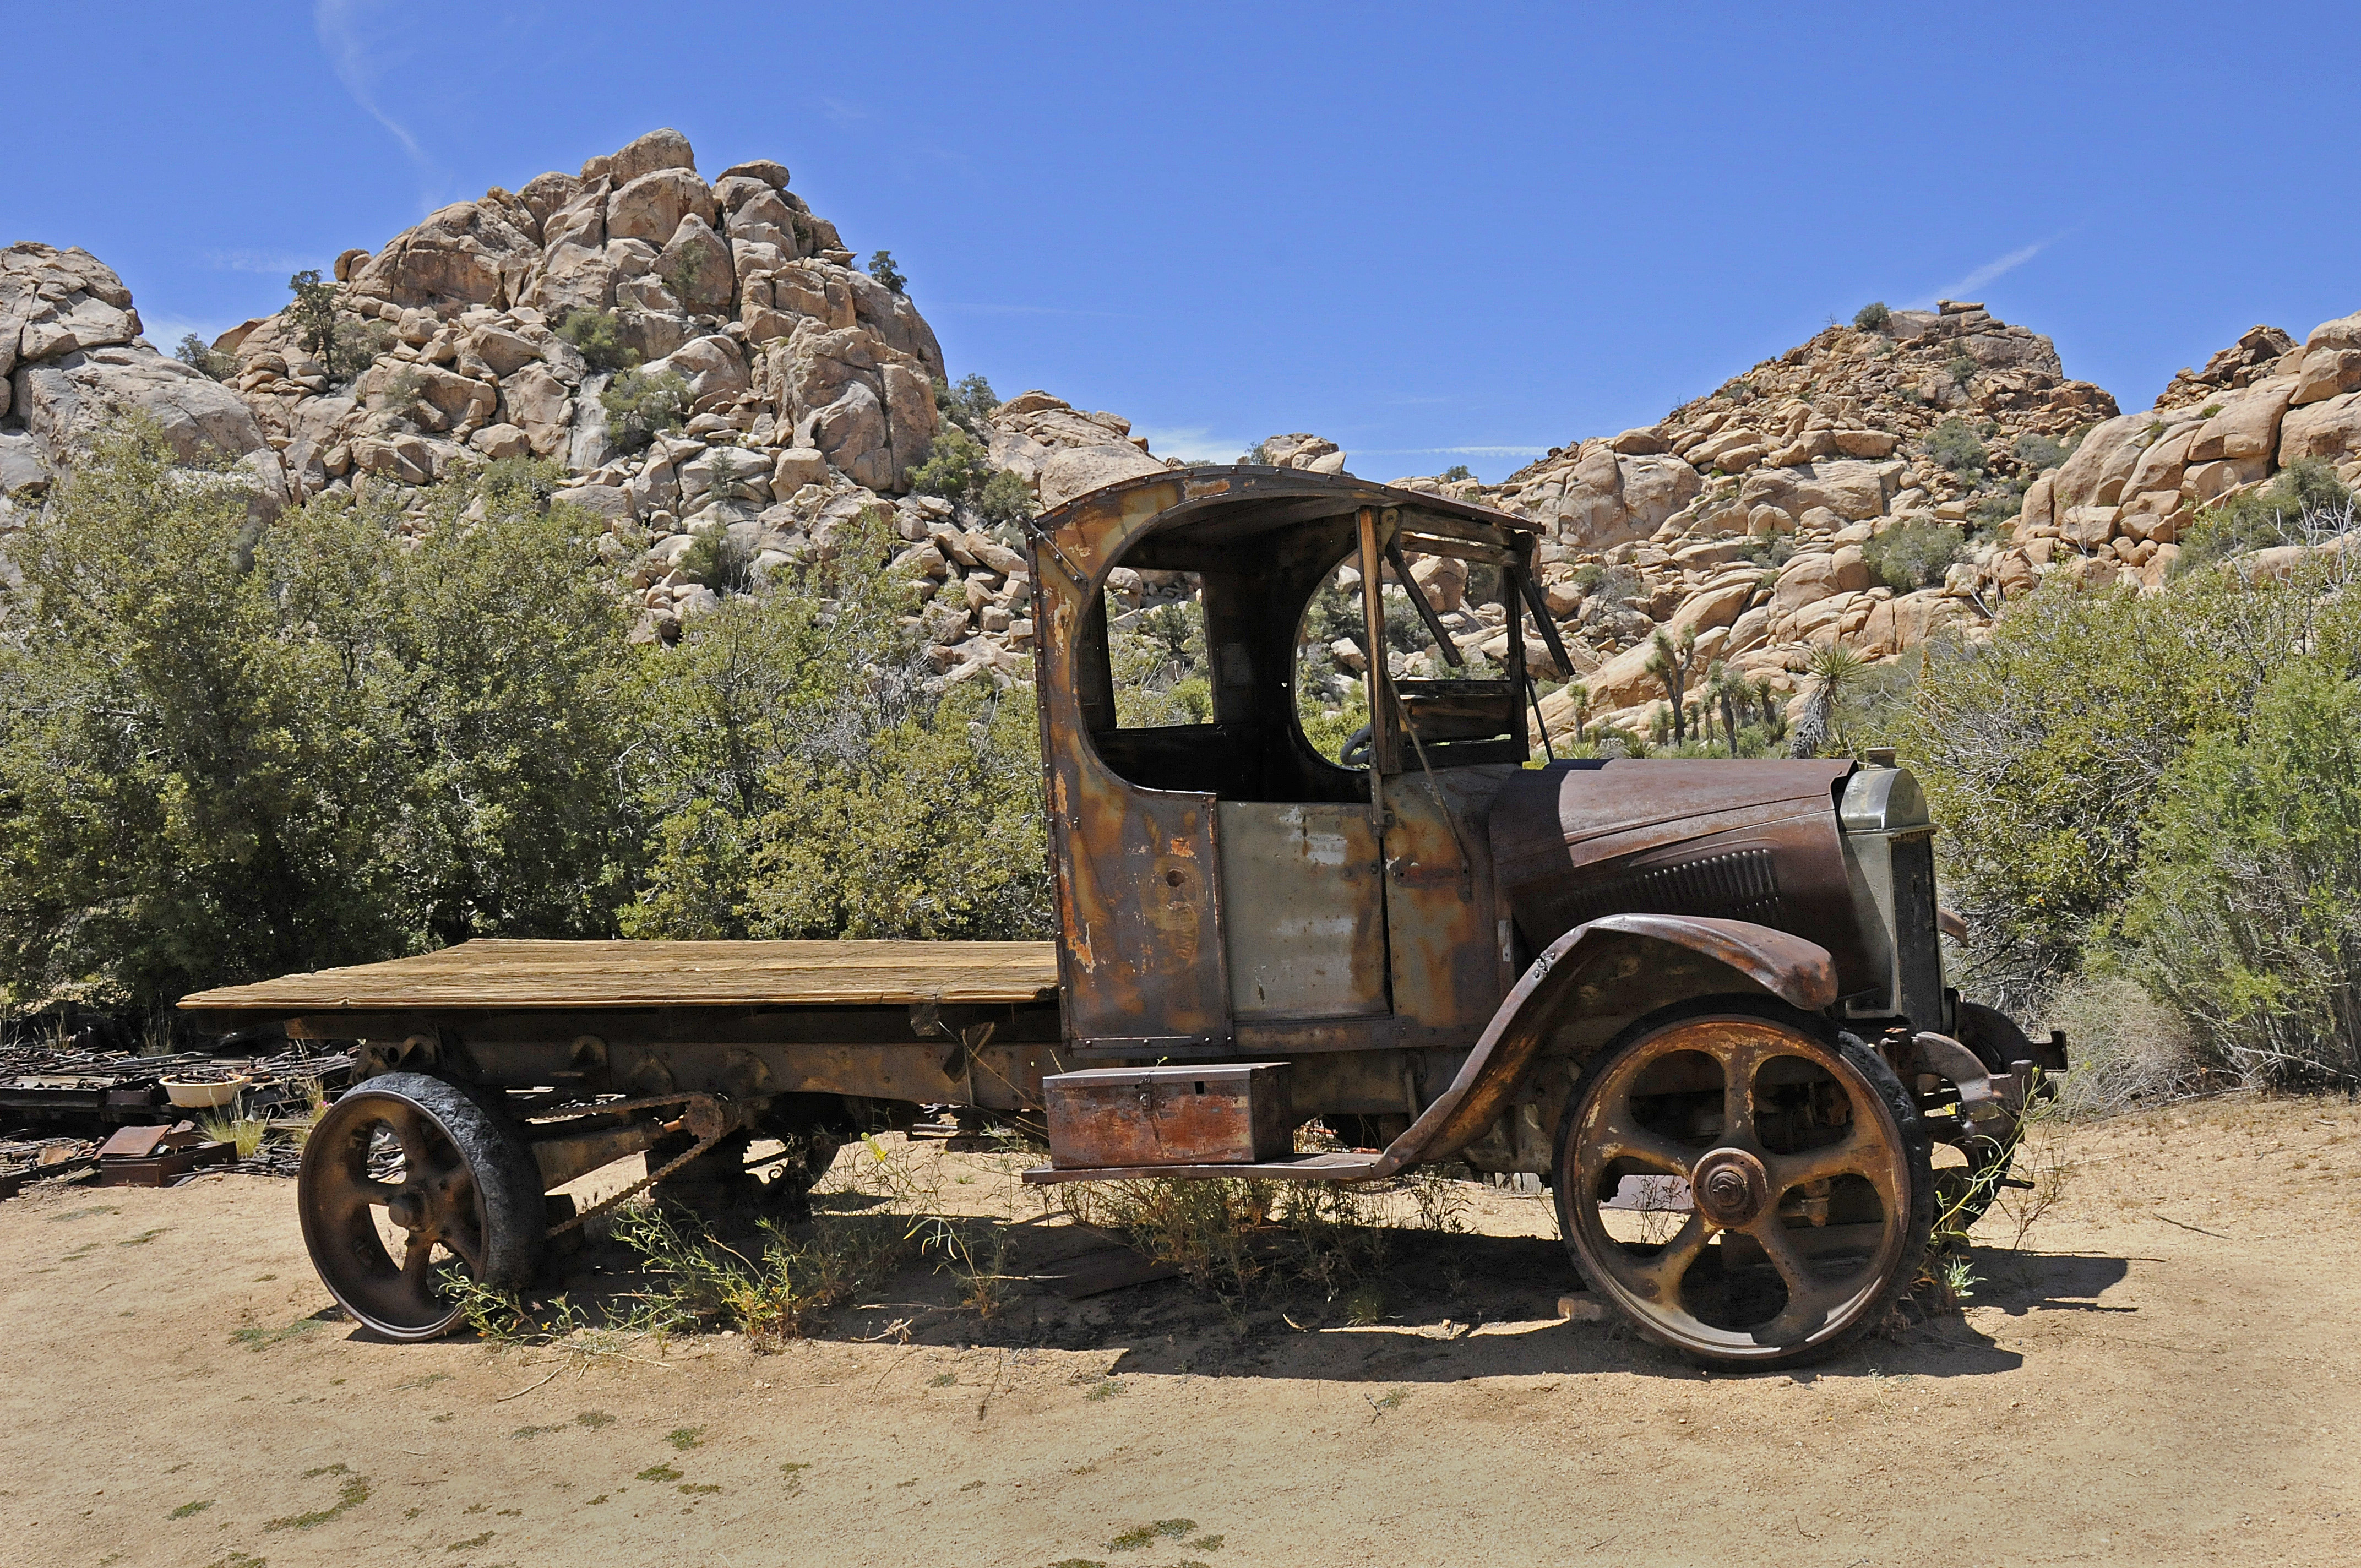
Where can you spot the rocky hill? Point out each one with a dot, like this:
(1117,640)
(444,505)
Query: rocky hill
(704,357)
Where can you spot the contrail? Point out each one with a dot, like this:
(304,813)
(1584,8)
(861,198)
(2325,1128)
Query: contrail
(335,21)
(1992,269)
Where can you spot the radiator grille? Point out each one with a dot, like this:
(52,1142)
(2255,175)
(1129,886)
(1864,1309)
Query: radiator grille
(1741,886)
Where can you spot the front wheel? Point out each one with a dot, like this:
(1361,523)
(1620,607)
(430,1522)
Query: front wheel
(407,1176)
(1745,1185)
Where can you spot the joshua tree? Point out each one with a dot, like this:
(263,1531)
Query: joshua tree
(1670,663)
(1727,688)
(1774,711)
(1834,667)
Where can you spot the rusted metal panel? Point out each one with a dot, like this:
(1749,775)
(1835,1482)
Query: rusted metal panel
(1303,910)
(1757,841)
(1234,1113)
(1443,916)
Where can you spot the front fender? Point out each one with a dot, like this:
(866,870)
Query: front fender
(1799,973)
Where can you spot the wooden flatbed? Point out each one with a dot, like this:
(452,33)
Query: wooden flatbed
(573,976)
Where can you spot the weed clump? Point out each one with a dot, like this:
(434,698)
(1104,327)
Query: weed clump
(1873,316)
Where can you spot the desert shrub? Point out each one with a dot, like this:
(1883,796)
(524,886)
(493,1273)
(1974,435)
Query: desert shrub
(958,469)
(1962,369)
(955,466)
(1457,472)
(2043,750)
(1955,444)
(680,274)
(640,407)
(2246,912)
(1873,316)
(598,335)
(2039,453)
(882,268)
(2129,1049)
(722,564)
(968,404)
(2305,500)
(227,752)
(199,354)
(805,780)
(1913,554)
(402,394)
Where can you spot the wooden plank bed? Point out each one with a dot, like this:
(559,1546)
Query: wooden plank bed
(502,974)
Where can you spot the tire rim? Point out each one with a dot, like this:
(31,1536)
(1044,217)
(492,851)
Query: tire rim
(1779,1172)
(424,1202)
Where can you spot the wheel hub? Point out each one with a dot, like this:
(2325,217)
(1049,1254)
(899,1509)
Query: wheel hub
(1730,1188)
(407,1209)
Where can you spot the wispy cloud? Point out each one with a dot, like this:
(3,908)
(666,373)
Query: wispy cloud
(166,332)
(1997,267)
(355,61)
(263,261)
(1192,443)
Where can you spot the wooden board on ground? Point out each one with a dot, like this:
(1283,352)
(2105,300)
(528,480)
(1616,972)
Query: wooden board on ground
(503,973)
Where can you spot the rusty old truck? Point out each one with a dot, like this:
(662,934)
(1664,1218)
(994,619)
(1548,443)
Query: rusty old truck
(1702,1000)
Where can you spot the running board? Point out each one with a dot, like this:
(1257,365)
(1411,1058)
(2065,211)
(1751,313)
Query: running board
(1306,1167)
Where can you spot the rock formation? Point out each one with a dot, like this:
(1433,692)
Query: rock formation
(71,359)
(1742,516)
(806,391)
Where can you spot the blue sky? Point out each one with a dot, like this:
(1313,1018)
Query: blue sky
(1432,234)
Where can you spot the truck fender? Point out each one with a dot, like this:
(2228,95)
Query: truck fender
(1799,973)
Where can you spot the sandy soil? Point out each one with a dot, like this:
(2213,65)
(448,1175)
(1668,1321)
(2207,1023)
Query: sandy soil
(2150,1378)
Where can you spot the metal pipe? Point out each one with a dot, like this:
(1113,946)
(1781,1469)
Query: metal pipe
(573,1156)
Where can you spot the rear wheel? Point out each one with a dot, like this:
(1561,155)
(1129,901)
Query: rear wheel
(404,1177)
(1746,1186)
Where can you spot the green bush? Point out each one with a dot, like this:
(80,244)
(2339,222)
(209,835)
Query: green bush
(967,404)
(805,783)
(1457,472)
(958,469)
(228,753)
(1913,554)
(598,335)
(2043,750)
(882,268)
(2246,914)
(640,407)
(720,562)
(1873,316)
(1955,444)
(2305,499)
(1963,369)
(2039,453)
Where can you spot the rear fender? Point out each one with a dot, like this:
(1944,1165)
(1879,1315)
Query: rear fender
(1577,973)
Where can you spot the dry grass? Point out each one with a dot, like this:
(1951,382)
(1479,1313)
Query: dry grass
(2129,1050)
(246,1132)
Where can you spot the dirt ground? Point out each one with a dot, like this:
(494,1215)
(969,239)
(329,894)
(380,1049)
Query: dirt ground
(2149,1378)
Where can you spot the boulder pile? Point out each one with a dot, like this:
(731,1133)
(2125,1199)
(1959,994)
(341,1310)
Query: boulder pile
(1749,517)
(798,392)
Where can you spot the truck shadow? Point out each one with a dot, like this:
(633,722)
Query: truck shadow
(1442,1308)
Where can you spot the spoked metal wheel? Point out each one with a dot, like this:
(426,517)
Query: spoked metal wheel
(404,1177)
(1744,1187)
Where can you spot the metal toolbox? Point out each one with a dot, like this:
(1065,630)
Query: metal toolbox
(1199,1114)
